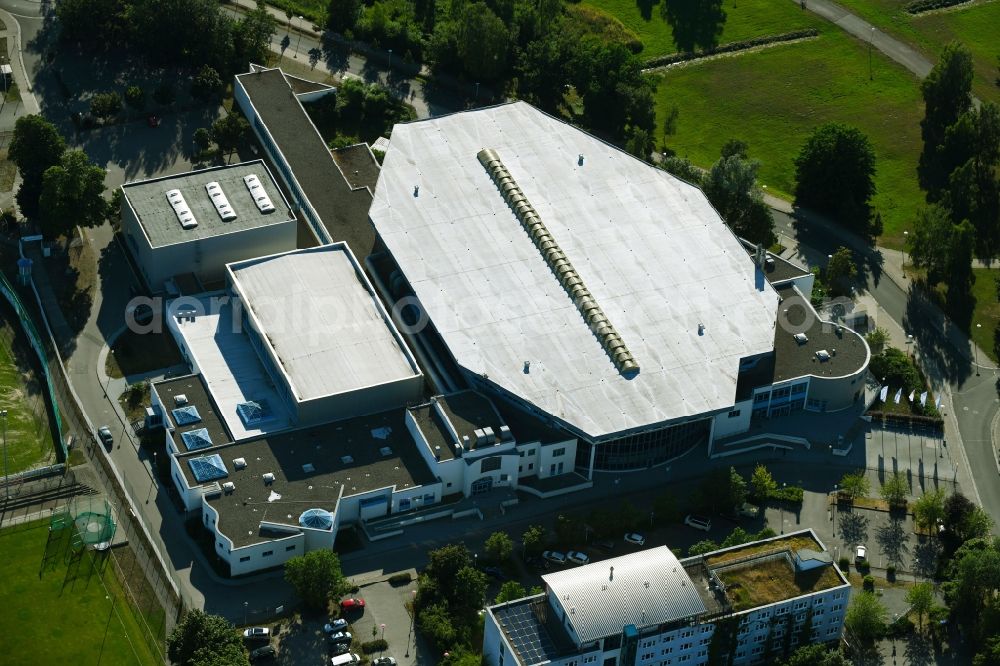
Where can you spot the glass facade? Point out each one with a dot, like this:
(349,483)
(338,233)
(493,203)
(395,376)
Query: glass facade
(645,449)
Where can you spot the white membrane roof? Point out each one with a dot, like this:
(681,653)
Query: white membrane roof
(654,254)
(322,321)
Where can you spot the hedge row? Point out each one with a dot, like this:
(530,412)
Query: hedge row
(918,6)
(935,423)
(378,645)
(743,45)
(791,494)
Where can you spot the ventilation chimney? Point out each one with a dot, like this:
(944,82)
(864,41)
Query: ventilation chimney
(701,329)
(612,576)
(527,367)
(579,160)
(416,191)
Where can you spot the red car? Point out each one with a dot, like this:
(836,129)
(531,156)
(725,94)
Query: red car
(352,603)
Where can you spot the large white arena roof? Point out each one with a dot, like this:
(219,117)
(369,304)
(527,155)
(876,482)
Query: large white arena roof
(666,273)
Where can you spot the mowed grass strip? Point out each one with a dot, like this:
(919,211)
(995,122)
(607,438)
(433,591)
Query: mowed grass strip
(52,618)
(29,437)
(986,312)
(775,98)
(975,25)
(746,20)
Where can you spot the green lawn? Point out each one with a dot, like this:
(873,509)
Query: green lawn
(987,309)
(54,617)
(744,20)
(29,438)
(975,26)
(775,98)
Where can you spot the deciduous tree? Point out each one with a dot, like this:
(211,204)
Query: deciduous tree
(921,599)
(761,483)
(510,591)
(199,637)
(854,485)
(35,146)
(229,131)
(841,269)
(72,195)
(341,15)
(947,92)
(206,84)
(929,509)
(866,618)
(731,185)
(533,539)
(499,547)
(135,97)
(895,489)
(316,577)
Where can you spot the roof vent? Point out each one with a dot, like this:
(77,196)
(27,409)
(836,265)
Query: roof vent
(801,338)
(308,468)
(268,478)
(823,355)
(239,463)
(180,399)
(228,487)
(527,367)
(505,434)
(701,329)
(612,576)
(347,460)
(416,191)
(437,453)
(385,451)
(572,610)
(579,159)
(489,435)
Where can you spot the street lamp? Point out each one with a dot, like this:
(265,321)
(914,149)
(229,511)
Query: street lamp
(382,637)
(906,237)
(975,348)
(390,59)
(909,341)
(872,39)
(299,40)
(245,605)
(152,479)
(413,613)
(6,483)
(835,503)
(477,92)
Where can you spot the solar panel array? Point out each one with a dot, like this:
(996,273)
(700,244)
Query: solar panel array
(526,633)
(208,468)
(186,415)
(197,439)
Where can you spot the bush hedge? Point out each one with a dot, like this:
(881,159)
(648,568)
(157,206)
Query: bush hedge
(377,645)
(400,578)
(844,563)
(742,45)
(919,6)
(790,494)
(869,583)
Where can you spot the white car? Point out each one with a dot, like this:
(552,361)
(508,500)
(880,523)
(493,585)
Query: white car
(554,556)
(576,557)
(257,633)
(698,522)
(635,539)
(860,554)
(384,661)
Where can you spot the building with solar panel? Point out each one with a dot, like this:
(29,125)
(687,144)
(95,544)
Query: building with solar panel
(749,604)
(193,224)
(594,293)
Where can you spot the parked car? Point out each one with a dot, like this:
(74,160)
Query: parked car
(554,556)
(257,634)
(263,653)
(748,510)
(340,637)
(860,553)
(577,557)
(384,661)
(536,563)
(496,573)
(635,539)
(337,649)
(605,544)
(340,624)
(107,439)
(352,603)
(698,522)
(346,658)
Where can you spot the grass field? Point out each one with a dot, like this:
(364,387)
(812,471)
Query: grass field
(775,98)
(744,20)
(29,438)
(56,613)
(975,26)
(987,310)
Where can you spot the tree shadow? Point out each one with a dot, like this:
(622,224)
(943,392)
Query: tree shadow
(336,54)
(695,24)
(925,556)
(646,8)
(931,328)
(853,527)
(892,539)
(918,650)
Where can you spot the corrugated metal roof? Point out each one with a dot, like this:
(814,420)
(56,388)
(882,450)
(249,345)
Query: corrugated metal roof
(645,588)
(649,247)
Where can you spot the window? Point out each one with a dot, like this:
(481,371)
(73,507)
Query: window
(504,477)
(757,650)
(245,559)
(429,498)
(665,651)
(704,641)
(289,549)
(836,607)
(686,646)
(449,485)
(489,464)
(521,453)
(818,612)
(781,393)
(759,639)
(782,611)
(762,397)
(561,451)
(733,414)
(531,466)
(646,656)
(798,388)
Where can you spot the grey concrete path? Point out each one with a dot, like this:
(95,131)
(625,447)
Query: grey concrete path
(902,53)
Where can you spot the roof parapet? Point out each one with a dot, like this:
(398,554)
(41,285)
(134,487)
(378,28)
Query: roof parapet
(558,262)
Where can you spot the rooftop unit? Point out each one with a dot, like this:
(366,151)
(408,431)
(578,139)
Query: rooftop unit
(219,200)
(181,209)
(260,197)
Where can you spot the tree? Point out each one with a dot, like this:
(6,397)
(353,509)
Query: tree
(72,195)
(930,243)
(665,509)
(533,539)
(106,105)
(229,131)
(316,576)
(702,547)
(468,593)
(510,591)
(206,84)
(761,483)
(227,655)
(921,599)
(929,509)
(960,276)
(895,489)
(199,636)
(135,97)
(866,618)
(817,654)
(835,173)
(721,490)
(35,146)
(202,138)
(314,57)
(976,524)
(841,269)
(435,623)
(251,39)
(974,579)
(989,653)
(682,168)
(736,493)
(877,340)
(113,213)
(499,546)
(854,485)
(165,94)
(947,92)
(737,537)
(342,14)
(731,186)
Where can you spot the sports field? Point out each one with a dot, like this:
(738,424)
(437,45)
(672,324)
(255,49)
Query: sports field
(976,26)
(775,98)
(29,437)
(744,20)
(59,613)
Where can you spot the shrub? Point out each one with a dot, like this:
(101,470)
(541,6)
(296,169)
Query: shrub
(790,494)
(869,583)
(400,578)
(844,563)
(890,572)
(900,628)
(919,6)
(377,645)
